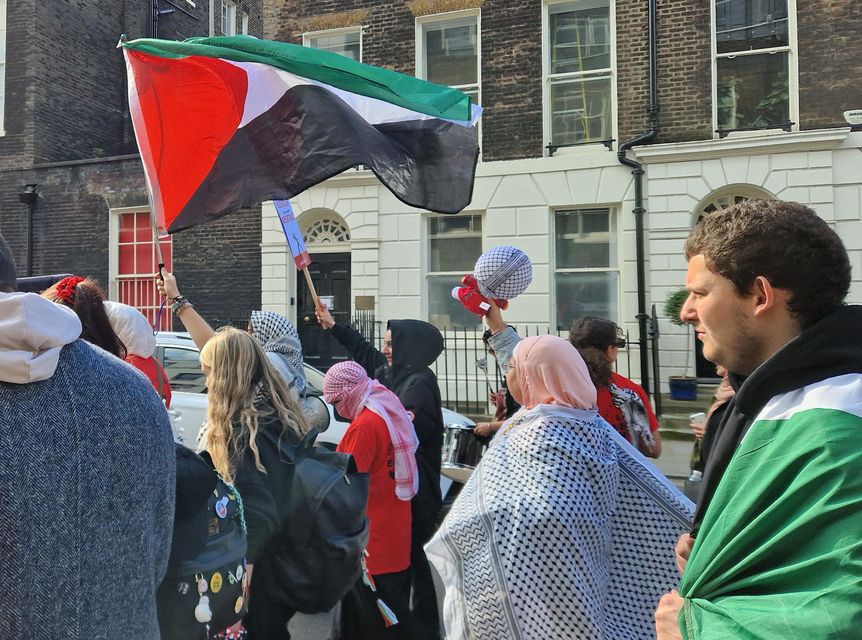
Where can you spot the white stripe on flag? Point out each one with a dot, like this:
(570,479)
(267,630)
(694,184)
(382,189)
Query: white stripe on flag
(841,393)
(266,86)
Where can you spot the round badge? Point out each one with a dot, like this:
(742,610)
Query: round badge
(237,607)
(221,508)
(202,585)
(239,572)
(216,582)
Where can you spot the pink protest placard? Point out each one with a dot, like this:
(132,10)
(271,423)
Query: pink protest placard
(291,231)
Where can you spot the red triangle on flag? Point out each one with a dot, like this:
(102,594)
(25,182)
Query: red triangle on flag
(190,108)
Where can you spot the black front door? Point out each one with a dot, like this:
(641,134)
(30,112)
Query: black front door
(330,273)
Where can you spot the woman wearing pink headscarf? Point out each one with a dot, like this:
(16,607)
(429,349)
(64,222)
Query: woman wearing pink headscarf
(383,443)
(564,531)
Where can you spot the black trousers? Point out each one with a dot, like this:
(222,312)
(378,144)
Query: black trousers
(424,600)
(361,619)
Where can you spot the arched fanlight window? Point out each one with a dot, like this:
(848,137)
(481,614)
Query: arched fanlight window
(327,230)
(727,197)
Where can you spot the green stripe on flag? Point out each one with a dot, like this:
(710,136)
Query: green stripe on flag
(323,66)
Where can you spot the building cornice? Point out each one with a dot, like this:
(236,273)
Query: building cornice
(743,145)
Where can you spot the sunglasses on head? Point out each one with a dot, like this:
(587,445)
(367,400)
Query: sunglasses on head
(620,343)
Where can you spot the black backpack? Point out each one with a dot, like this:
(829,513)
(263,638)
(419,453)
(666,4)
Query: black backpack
(318,554)
(203,591)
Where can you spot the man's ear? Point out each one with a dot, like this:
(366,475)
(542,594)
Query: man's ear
(765,296)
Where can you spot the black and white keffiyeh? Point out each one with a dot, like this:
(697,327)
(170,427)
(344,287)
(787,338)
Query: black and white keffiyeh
(503,273)
(564,531)
(635,418)
(277,335)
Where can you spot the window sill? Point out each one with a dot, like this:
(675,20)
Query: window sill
(552,150)
(789,127)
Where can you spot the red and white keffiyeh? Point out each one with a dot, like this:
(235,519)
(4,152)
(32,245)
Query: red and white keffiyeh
(348,386)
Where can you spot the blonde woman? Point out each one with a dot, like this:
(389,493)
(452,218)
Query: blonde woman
(251,411)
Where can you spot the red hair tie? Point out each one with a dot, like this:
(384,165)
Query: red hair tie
(66,289)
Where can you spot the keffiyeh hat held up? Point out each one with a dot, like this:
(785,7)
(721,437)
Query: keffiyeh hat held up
(503,273)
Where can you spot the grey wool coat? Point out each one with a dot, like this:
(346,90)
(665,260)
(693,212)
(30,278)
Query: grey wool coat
(87,480)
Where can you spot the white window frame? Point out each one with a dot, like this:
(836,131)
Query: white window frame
(616,237)
(548,77)
(228,17)
(244,22)
(452,16)
(792,71)
(308,36)
(4,41)
(427,273)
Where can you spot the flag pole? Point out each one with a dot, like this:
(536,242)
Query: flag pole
(157,320)
(158,244)
(311,287)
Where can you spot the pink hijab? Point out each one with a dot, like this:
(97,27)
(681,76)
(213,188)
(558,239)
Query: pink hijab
(551,371)
(347,386)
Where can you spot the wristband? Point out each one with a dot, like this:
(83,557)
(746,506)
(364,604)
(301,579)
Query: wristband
(179,303)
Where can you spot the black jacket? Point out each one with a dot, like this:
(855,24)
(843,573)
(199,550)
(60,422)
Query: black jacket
(831,347)
(265,495)
(415,345)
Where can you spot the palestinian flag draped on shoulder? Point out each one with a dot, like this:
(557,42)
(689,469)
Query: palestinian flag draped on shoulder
(225,123)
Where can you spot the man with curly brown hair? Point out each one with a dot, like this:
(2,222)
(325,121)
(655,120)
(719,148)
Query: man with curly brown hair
(775,551)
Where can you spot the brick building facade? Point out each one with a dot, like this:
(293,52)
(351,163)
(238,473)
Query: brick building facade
(66,128)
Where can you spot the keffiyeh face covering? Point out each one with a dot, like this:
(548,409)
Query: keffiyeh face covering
(347,386)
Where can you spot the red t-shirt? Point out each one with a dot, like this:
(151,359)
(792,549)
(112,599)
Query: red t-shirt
(367,438)
(150,368)
(612,413)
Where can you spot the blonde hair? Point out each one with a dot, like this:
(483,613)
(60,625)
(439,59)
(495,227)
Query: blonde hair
(240,374)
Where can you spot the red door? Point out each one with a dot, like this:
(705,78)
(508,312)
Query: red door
(137,265)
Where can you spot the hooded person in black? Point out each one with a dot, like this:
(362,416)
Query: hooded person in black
(409,347)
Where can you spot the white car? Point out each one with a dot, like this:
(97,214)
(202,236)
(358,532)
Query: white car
(179,356)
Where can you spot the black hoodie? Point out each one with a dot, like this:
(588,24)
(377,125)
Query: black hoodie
(415,345)
(831,347)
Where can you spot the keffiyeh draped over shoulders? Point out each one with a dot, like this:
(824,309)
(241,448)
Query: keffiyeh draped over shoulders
(564,531)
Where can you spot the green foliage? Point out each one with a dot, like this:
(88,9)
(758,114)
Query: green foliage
(673,305)
(774,108)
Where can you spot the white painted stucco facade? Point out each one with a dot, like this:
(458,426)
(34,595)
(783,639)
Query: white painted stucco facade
(821,168)
(517,200)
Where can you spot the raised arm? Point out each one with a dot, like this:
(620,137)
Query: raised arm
(503,338)
(361,350)
(197,327)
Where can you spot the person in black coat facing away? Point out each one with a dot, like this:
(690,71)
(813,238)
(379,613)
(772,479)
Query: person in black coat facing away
(409,347)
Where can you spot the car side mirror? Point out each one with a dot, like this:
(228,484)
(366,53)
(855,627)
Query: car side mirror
(316,412)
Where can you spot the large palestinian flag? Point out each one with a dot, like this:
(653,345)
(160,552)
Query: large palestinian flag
(225,123)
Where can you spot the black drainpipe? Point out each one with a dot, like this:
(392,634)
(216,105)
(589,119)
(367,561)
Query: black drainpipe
(639,211)
(29,197)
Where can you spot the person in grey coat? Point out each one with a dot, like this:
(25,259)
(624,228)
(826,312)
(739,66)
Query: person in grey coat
(87,477)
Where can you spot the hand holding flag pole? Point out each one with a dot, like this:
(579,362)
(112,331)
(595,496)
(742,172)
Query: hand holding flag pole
(157,321)
(297,245)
